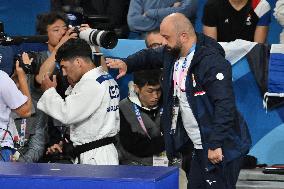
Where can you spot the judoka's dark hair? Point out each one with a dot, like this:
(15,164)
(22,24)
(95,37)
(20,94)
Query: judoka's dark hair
(74,48)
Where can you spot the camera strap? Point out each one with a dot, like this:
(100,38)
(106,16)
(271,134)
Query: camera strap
(92,145)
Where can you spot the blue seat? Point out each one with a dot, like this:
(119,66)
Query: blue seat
(19,17)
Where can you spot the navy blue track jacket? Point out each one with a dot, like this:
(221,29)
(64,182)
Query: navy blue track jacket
(209,93)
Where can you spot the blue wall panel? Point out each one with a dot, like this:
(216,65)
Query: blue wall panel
(66,176)
(19,16)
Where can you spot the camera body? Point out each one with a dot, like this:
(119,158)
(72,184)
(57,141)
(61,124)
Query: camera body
(28,68)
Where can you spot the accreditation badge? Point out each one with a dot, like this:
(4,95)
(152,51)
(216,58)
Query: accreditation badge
(175,111)
(161,159)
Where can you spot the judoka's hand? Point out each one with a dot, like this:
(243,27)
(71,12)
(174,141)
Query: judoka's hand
(215,156)
(19,74)
(117,63)
(47,83)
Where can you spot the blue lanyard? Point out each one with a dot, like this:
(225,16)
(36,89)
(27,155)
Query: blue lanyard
(178,80)
(140,120)
(184,62)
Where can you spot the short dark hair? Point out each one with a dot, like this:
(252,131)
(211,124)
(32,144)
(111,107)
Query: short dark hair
(45,19)
(147,77)
(74,48)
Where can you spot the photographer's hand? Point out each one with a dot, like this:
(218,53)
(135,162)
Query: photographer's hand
(55,148)
(84,27)
(26,59)
(15,75)
(47,83)
(68,35)
(25,109)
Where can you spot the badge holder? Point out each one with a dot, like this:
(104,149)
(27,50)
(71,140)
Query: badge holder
(161,160)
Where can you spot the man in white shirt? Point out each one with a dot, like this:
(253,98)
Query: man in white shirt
(91,108)
(12,99)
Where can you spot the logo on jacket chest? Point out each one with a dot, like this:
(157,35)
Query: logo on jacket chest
(114,91)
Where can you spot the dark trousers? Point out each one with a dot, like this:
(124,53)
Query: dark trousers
(6,153)
(224,176)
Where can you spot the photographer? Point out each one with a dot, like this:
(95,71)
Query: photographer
(90,109)
(12,99)
(54,25)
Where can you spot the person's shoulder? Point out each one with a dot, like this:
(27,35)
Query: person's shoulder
(7,84)
(124,102)
(214,3)
(260,7)
(257,4)
(4,77)
(210,52)
(263,10)
(103,82)
(208,45)
(3,74)
(213,6)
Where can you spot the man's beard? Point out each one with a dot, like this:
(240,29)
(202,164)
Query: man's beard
(174,51)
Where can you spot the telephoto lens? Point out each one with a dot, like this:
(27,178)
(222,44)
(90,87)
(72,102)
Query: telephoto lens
(102,38)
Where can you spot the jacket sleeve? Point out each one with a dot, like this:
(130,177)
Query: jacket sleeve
(136,19)
(145,59)
(188,8)
(137,144)
(36,145)
(217,81)
(76,107)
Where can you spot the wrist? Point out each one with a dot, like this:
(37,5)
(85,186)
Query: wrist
(22,77)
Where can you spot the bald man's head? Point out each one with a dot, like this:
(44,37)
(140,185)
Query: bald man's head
(179,23)
(178,33)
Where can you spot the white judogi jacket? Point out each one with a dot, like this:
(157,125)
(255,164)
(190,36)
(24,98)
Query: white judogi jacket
(91,110)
